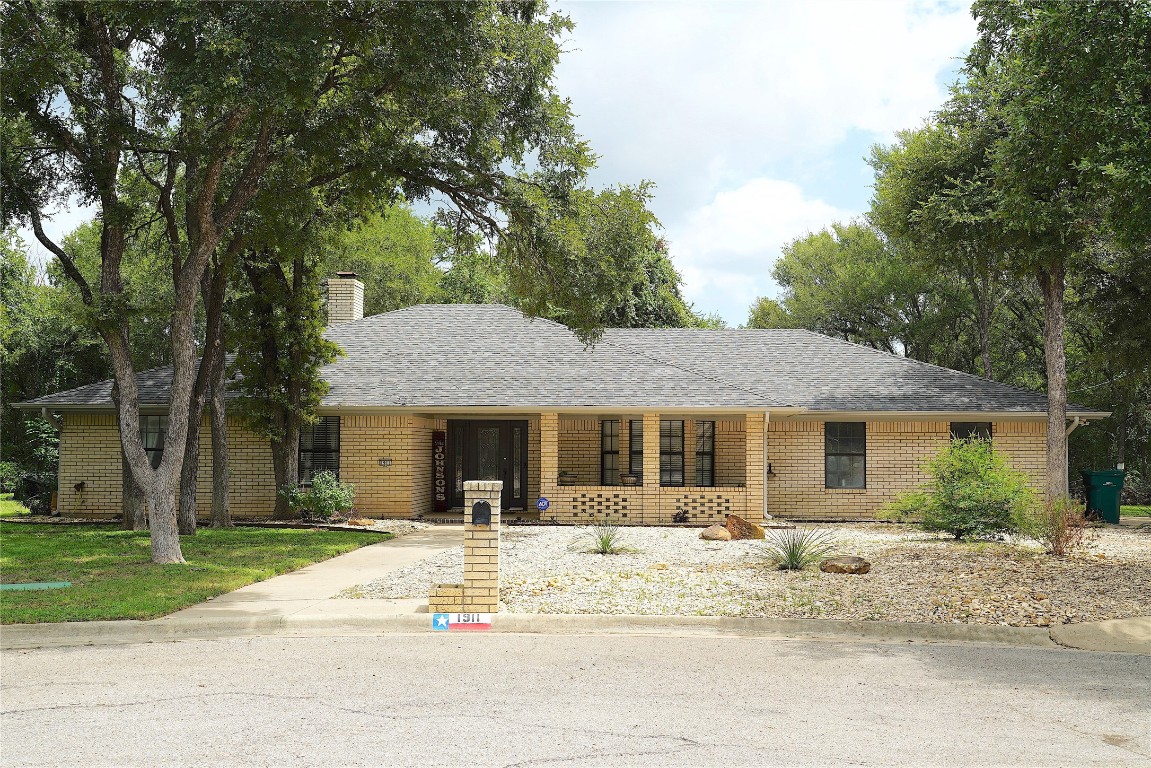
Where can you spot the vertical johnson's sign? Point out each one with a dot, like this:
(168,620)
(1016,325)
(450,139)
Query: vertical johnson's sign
(440,470)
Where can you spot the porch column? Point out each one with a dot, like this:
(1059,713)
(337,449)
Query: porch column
(651,488)
(549,457)
(753,464)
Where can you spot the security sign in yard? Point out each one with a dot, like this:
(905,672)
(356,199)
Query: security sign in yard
(461,621)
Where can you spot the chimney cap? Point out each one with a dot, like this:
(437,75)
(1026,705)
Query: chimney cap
(347,275)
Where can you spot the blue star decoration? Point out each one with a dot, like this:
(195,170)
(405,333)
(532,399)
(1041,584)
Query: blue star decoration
(439,621)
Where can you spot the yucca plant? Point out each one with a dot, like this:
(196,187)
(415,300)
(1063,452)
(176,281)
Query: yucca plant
(793,549)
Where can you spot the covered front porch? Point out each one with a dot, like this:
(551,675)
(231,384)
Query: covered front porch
(626,468)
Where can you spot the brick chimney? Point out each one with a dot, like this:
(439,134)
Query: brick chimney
(345,298)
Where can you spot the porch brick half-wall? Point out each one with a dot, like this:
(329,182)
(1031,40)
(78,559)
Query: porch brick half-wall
(896,453)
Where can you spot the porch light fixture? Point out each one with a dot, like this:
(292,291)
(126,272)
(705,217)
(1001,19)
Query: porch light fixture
(770,472)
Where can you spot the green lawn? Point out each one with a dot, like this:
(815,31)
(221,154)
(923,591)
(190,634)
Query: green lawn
(113,578)
(10,508)
(1135,511)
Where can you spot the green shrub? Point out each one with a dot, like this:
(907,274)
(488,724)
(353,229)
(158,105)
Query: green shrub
(972,494)
(793,549)
(326,500)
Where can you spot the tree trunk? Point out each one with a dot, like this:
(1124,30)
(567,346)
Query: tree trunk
(133,507)
(189,475)
(221,512)
(286,464)
(165,534)
(1052,282)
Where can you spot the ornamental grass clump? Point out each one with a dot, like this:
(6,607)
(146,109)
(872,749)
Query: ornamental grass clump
(605,538)
(973,494)
(793,549)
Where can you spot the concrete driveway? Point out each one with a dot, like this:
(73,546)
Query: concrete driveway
(523,700)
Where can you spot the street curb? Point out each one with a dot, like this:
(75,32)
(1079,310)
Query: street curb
(25,636)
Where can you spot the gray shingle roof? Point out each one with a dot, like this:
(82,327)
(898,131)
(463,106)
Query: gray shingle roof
(821,373)
(483,355)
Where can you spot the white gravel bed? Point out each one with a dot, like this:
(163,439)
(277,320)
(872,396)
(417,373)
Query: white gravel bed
(915,576)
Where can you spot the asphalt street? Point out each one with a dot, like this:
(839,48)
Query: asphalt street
(526,700)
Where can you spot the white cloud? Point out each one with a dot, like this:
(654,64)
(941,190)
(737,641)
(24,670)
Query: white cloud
(708,91)
(712,101)
(726,248)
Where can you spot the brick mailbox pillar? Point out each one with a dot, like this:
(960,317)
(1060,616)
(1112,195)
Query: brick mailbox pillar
(480,592)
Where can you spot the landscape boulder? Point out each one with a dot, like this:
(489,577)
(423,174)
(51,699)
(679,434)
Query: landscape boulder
(715,533)
(846,564)
(742,529)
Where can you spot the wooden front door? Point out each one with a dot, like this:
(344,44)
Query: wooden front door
(489,450)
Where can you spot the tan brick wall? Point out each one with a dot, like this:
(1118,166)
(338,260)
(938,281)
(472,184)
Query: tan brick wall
(90,453)
(251,478)
(896,453)
(1025,443)
(730,440)
(421,451)
(579,449)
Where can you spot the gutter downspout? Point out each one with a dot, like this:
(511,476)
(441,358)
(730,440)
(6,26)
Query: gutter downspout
(1076,422)
(766,419)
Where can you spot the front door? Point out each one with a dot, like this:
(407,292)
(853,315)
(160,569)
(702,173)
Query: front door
(489,450)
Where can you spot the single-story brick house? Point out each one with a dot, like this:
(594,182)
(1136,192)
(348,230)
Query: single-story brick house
(646,426)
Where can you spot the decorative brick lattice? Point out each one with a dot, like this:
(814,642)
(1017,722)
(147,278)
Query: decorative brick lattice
(705,507)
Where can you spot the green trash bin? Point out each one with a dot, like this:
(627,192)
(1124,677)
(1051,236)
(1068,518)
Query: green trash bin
(1103,488)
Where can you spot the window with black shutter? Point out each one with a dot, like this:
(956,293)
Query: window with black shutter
(609,452)
(670,452)
(320,448)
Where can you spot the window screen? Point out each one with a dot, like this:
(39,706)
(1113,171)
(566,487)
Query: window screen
(845,454)
(320,448)
(705,453)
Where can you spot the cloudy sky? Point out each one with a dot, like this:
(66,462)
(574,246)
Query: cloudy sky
(753,118)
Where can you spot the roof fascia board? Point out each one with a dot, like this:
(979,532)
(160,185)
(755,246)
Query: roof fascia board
(813,415)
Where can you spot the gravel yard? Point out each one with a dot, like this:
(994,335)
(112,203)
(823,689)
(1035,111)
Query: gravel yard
(915,576)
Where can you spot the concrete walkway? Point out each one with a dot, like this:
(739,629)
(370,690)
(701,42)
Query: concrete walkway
(309,592)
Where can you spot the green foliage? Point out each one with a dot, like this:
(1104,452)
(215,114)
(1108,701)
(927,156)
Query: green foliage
(604,538)
(326,500)
(9,475)
(394,253)
(578,261)
(112,577)
(793,549)
(1060,525)
(973,493)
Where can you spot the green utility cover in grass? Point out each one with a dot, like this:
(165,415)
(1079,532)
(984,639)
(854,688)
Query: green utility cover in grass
(38,585)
